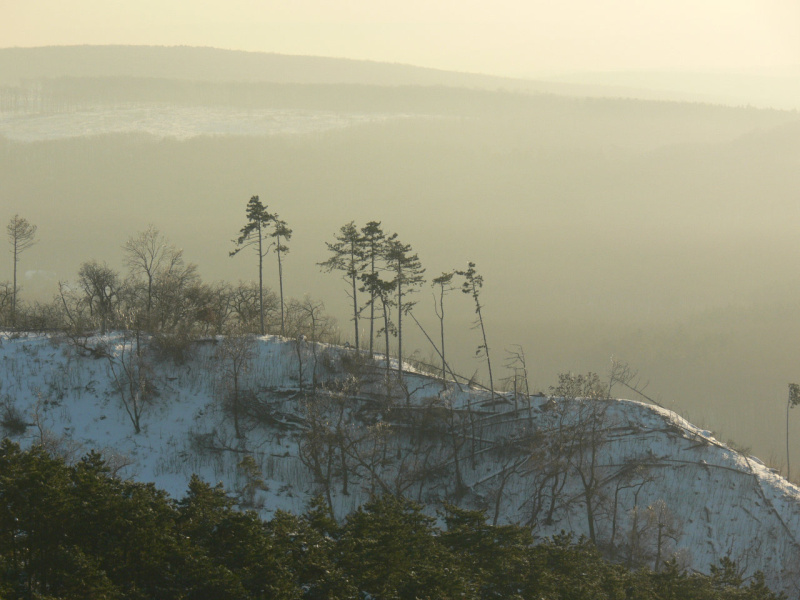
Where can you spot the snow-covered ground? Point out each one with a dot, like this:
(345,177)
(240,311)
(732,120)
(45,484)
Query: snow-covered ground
(631,469)
(175,121)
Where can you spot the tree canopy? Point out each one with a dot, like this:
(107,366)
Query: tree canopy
(74,531)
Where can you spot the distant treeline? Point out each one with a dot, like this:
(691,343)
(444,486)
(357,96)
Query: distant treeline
(75,531)
(70,93)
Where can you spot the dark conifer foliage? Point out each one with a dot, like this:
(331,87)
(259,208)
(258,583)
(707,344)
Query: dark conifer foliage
(73,531)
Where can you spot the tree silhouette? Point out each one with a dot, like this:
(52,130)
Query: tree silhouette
(381,290)
(407,270)
(21,236)
(281,230)
(445,284)
(253,235)
(100,285)
(472,286)
(346,254)
(373,239)
(150,255)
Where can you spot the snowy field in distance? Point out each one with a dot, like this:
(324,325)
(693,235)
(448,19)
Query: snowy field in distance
(180,122)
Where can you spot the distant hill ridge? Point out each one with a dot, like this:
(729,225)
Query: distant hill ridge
(217,65)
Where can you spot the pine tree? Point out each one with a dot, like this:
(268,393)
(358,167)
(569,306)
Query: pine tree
(281,230)
(472,286)
(445,284)
(408,271)
(253,235)
(373,239)
(21,236)
(380,290)
(346,255)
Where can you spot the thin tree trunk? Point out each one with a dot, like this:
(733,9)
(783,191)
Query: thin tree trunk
(280,284)
(486,348)
(441,331)
(386,333)
(261,283)
(399,329)
(14,294)
(433,344)
(149,299)
(372,309)
(788,464)
(355,300)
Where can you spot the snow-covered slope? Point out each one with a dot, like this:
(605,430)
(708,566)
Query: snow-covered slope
(315,419)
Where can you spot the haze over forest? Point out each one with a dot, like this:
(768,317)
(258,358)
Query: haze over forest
(663,233)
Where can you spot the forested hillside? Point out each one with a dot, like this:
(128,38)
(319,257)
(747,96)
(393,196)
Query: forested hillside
(76,532)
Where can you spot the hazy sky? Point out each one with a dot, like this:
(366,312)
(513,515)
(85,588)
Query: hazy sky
(504,37)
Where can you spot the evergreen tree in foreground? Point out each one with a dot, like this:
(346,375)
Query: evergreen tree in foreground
(72,532)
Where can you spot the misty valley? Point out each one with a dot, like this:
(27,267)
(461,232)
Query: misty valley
(459,384)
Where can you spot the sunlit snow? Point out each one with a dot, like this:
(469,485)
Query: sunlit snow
(180,122)
(724,503)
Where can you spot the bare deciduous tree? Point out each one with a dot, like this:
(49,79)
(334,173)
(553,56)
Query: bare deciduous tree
(308,324)
(519,378)
(132,372)
(100,285)
(666,529)
(150,256)
(583,399)
(6,299)
(234,357)
(249,304)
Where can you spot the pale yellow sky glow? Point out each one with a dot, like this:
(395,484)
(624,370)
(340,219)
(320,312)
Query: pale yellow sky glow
(505,37)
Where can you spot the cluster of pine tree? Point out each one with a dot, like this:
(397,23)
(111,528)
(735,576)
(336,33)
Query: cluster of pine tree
(74,531)
(163,294)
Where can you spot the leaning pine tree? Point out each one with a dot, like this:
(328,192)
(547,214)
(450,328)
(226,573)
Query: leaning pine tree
(472,286)
(253,235)
(445,284)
